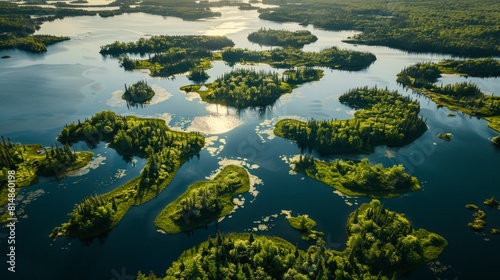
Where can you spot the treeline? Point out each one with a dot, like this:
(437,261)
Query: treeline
(483,68)
(274,37)
(138,93)
(359,178)
(381,245)
(302,75)
(162,43)
(387,118)
(204,202)
(291,57)
(463,27)
(305,225)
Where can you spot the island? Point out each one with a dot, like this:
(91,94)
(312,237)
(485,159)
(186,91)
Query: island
(496,140)
(358,178)
(478,224)
(371,230)
(305,225)
(243,88)
(386,118)
(204,202)
(463,96)
(165,150)
(31,161)
(471,206)
(138,93)
(492,202)
(445,136)
(495,231)
(274,37)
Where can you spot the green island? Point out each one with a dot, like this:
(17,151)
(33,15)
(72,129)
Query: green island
(31,161)
(138,93)
(164,149)
(445,136)
(204,202)
(471,206)
(478,224)
(492,202)
(496,140)
(459,27)
(274,37)
(465,96)
(359,178)
(305,225)
(381,244)
(387,118)
(243,88)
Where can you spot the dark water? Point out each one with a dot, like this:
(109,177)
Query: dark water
(41,93)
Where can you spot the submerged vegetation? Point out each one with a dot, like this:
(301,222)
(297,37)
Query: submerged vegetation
(165,150)
(465,96)
(138,93)
(380,245)
(273,37)
(204,202)
(387,118)
(359,178)
(305,225)
(242,88)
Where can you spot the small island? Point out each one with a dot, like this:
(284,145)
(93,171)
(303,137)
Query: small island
(204,202)
(478,224)
(305,225)
(445,136)
(465,96)
(138,93)
(274,37)
(359,178)
(243,88)
(387,118)
(130,136)
(496,140)
(471,206)
(371,229)
(495,231)
(492,202)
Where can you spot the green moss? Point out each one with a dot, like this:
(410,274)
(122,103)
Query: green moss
(204,202)
(305,225)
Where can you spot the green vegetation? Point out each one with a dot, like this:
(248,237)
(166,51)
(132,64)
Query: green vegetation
(34,43)
(359,178)
(478,224)
(388,118)
(165,150)
(483,68)
(138,93)
(495,231)
(292,57)
(273,37)
(203,202)
(492,202)
(445,136)
(496,140)
(380,245)
(242,88)
(459,27)
(471,206)
(198,74)
(31,161)
(465,97)
(305,225)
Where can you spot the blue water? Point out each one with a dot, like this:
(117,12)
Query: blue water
(42,92)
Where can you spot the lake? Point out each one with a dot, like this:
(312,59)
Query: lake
(43,92)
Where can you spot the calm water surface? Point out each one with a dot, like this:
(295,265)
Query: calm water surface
(42,92)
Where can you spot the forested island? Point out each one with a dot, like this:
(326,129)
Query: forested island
(31,161)
(359,178)
(387,118)
(274,37)
(459,27)
(465,96)
(164,149)
(242,88)
(381,245)
(305,225)
(138,93)
(204,202)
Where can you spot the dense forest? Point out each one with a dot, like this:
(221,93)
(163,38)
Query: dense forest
(459,27)
(204,202)
(387,118)
(242,88)
(274,37)
(138,93)
(381,244)
(464,96)
(359,178)
(165,150)
(305,225)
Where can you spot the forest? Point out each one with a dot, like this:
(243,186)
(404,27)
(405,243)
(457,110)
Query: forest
(305,225)
(204,202)
(274,37)
(381,244)
(243,88)
(130,136)
(138,93)
(359,178)
(458,27)
(385,118)
(465,96)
